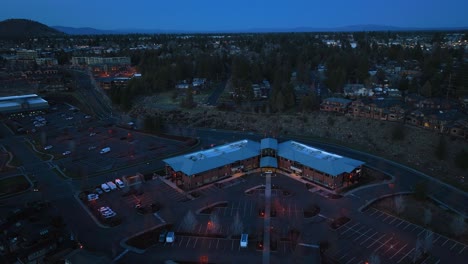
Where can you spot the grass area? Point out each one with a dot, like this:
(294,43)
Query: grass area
(440,220)
(147,239)
(13,185)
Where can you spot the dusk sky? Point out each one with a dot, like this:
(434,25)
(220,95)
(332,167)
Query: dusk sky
(239,14)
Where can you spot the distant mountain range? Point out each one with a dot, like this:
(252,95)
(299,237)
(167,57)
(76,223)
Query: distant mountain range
(354,28)
(24,28)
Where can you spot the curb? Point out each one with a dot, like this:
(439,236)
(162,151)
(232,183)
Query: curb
(89,212)
(7,196)
(134,249)
(209,205)
(368,203)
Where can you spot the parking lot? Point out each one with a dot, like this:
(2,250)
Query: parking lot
(76,140)
(438,240)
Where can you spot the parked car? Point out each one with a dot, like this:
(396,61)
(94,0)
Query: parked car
(66,153)
(92,197)
(98,190)
(91,147)
(170,238)
(105,150)
(111,185)
(47,147)
(92,134)
(119,183)
(110,215)
(105,187)
(104,209)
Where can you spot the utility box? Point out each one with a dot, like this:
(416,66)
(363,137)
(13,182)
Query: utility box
(170,237)
(244,241)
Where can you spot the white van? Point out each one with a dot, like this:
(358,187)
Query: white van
(170,237)
(104,150)
(119,183)
(244,241)
(105,187)
(112,185)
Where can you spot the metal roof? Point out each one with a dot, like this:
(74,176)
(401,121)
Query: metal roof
(317,159)
(266,162)
(16,97)
(269,143)
(209,159)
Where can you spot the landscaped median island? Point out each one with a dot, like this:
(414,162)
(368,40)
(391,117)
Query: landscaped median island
(14,184)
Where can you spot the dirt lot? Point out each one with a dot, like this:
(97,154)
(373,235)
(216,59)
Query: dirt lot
(417,149)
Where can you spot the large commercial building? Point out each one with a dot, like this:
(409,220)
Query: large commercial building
(21,103)
(198,168)
(100,60)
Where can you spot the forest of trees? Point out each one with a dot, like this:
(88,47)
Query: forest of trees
(274,57)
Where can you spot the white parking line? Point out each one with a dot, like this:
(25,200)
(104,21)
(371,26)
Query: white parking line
(381,213)
(383,244)
(209,244)
(232,245)
(393,221)
(392,246)
(402,221)
(196,240)
(349,261)
(362,234)
(343,256)
(454,245)
(415,226)
(374,212)
(349,228)
(421,232)
(188,241)
(407,226)
(368,238)
(462,250)
(181,239)
(217,244)
(437,239)
(406,255)
(445,242)
(376,241)
(398,251)
(386,218)
(199,229)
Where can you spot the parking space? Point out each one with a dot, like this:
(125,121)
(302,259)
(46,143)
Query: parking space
(77,139)
(364,240)
(244,207)
(220,244)
(418,231)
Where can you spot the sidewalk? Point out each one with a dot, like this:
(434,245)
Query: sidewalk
(174,186)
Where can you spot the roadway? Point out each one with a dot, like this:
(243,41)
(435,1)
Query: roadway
(60,191)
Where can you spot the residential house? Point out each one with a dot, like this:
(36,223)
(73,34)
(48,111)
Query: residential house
(382,109)
(439,120)
(356,90)
(335,104)
(458,128)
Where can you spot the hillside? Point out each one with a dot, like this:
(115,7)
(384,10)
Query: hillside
(417,147)
(24,28)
